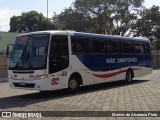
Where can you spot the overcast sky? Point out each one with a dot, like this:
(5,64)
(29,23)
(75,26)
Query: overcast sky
(8,8)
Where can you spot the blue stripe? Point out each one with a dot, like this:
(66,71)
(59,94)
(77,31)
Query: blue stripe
(98,62)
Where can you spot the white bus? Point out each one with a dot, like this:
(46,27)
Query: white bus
(52,60)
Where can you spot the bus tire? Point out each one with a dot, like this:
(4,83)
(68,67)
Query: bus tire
(73,84)
(129,77)
(44,92)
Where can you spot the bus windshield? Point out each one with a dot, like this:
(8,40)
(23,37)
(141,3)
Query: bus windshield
(29,52)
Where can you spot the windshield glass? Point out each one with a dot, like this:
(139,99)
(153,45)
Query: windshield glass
(29,52)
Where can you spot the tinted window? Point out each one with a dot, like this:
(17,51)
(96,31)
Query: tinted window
(138,47)
(81,45)
(127,47)
(99,46)
(114,46)
(146,48)
(95,46)
(59,53)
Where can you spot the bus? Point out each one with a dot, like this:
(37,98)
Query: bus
(52,60)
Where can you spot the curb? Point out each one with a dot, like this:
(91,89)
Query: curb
(3,80)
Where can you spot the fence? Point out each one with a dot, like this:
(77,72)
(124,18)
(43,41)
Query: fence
(156,58)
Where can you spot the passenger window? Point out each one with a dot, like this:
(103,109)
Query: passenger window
(81,45)
(114,47)
(99,46)
(139,47)
(103,46)
(146,48)
(128,47)
(95,46)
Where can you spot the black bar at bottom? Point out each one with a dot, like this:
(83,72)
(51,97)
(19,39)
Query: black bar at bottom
(24,114)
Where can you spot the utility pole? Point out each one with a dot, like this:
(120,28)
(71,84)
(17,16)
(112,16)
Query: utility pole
(47,9)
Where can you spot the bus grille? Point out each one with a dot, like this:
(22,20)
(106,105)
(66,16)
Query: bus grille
(27,85)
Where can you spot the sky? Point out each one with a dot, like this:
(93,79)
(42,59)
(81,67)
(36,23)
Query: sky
(8,8)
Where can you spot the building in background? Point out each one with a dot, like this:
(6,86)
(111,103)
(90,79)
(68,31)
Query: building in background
(6,38)
(156,58)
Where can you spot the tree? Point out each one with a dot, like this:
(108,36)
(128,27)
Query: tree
(112,16)
(148,23)
(101,16)
(29,22)
(71,19)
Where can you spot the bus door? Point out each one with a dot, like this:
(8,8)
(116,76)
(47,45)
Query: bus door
(58,60)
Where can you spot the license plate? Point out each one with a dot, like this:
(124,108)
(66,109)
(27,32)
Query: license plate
(23,84)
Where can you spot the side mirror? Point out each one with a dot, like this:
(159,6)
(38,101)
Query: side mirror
(8,51)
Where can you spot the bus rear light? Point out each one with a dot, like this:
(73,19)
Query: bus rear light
(38,77)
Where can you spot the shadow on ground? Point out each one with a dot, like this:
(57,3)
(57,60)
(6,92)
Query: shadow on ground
(37,97)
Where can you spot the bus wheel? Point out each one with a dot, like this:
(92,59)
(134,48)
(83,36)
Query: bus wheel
(73,84)
(44,92)
(129,77)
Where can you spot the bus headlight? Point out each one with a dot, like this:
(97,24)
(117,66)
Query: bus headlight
(38,77)
(10,76)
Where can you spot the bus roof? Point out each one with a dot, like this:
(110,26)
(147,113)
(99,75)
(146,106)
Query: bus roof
(116,37)
(46,32)
(83,34)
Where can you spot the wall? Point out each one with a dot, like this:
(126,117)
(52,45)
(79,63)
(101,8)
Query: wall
(3,67)
(6,38)
(156,58)
(3,61)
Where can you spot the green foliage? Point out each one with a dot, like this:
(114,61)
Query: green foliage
(73,20)
(29,22)
(148,24)
(102,16)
